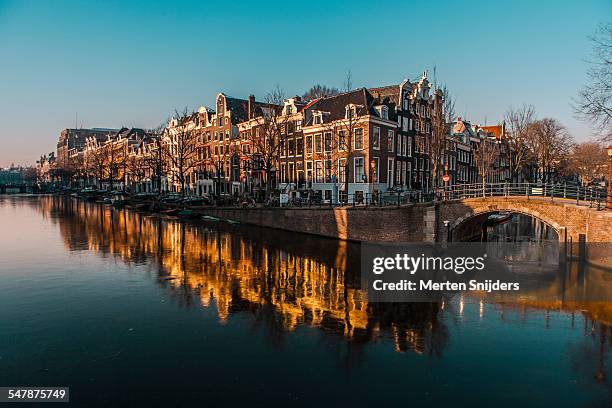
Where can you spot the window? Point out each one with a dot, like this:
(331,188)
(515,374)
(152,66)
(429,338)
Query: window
(309,144)
(328,171)
(404,179)
(398,174)
(405,104)
(328,142)
(318,147)
(298,125)
(342,140)
(317,119)
(227,121)
(291,147)
(342,170)
(384,112)
(351,112)
(309,171)
(359,170)
(289,110)
(376,138)
(291,172)
(328,195)
(318,171)
(390,172)
(404,145)
(390,140)
(409,148)
(300,146)
(408,166)
(358,143)
(399,145)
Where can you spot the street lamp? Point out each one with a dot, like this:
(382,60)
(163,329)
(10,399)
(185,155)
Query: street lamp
(609,200)
(447,230)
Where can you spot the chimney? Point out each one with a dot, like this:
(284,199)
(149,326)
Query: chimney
(251,106)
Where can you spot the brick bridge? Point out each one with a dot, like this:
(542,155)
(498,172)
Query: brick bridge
(568,219)
(425,221)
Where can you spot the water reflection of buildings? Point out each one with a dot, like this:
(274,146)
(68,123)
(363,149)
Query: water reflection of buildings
(285,280)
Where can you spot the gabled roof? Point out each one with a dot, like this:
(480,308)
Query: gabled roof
(335,105)
(240,108)
(389,92)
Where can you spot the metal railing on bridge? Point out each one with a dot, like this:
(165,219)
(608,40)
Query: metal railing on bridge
(594,197)
(582,195)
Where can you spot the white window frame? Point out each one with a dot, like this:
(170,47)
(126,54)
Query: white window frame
(391,137)
(355,139)
(360,178)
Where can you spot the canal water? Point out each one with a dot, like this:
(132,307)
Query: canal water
(129,310)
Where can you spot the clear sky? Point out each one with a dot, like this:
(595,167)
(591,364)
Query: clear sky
(115,64)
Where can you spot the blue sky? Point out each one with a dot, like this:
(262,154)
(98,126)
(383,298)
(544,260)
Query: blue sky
(132,64)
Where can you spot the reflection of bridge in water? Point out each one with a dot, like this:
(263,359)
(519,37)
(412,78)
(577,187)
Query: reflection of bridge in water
(284,280)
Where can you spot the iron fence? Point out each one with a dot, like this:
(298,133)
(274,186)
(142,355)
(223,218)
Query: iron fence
(581,195)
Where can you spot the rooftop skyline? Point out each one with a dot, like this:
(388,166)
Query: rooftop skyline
(111,65)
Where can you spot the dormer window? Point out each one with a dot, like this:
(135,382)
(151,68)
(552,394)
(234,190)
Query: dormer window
(317,118)
(351,111)
(384,112)
(288,110)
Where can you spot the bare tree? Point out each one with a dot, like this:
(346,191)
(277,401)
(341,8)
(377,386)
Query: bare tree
(81,170)
(443,115)
(588,160)
(116,159)
(180,147)
(549,144)
(348,83)
(217,160)
(519,123)
(319,91)
(96,163)
(347,135)
(267,138)
(485,156)
(154,158)
(64,170)
(136,167)
(594,103)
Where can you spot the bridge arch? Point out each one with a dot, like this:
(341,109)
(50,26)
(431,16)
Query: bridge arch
(461,212)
